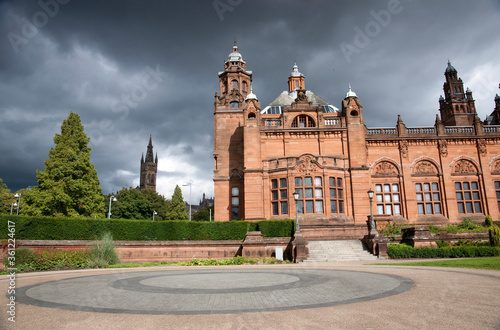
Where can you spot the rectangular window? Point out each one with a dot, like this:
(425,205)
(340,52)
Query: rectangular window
(387,199)
(279,196)
(336,195)
(468,197)
(497,188)
(310,190)
(428,198)
(235,202)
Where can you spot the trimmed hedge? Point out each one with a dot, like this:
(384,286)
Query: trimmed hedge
(50,228)
(398,251)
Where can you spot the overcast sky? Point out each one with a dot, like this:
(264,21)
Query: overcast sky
(137,68)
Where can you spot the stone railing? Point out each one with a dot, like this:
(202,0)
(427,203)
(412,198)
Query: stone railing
(271,122)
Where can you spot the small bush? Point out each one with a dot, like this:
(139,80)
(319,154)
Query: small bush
(494,232)
(103,252)
(442,244)
(488,221)
(393,229)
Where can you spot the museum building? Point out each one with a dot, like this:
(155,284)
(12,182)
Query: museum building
(300,143)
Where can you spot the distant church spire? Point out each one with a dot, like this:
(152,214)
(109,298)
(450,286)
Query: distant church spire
(149,168)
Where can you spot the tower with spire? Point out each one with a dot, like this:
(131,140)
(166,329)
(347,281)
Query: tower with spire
(149,168)
(457,107)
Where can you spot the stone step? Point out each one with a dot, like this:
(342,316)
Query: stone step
(338,250)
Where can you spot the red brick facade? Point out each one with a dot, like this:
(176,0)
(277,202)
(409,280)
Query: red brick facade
(441,173)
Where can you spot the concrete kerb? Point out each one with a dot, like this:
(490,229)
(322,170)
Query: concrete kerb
(439,297)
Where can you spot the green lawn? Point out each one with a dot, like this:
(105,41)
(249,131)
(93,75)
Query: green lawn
(479,263)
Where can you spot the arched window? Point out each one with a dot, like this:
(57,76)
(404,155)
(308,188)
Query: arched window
(245,86)
(234,105)
(251,115)
(303,121)
(354,113)
(235,84)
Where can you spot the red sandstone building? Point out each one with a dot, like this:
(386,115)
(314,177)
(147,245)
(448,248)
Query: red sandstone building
(300,143)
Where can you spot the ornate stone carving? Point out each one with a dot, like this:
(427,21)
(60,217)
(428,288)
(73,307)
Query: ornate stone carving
(443,148)
(496,166)
(464,166)
(481,147)
(425,167)
(403,148)
(385,168)
(306,165)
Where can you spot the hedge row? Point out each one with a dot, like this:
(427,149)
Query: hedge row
(398,251)
(49,228)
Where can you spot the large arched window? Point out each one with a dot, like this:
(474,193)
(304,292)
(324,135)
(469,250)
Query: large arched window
(234,105)
(303,121)
(235,84)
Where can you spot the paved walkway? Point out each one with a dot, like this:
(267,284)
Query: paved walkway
(341,295)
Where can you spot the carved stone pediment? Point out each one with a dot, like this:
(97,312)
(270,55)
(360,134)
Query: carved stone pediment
(385,168)
(307,164)
(425,167)
(464,166)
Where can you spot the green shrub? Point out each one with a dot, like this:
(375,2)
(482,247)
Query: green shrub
(488,221)
(28,260)
(103,252)
(465,226)
(398,251)
(494,232)
(393,229)
(442,244)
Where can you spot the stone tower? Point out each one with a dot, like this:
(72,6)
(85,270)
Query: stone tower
(230,109)
(457,107)
(149,168)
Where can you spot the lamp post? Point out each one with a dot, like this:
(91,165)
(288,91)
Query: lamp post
(190,183)
(12,206)
(373,230)
(18,196)
(154,213)
(111,199)
(296,198)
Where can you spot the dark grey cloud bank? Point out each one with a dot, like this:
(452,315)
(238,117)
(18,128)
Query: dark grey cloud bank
(132,69)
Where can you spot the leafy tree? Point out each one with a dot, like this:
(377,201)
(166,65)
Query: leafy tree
(176,209)
(69,186)
(203,214)
(138,204)
(6,198)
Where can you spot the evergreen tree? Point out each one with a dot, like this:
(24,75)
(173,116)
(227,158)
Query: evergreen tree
(176,209)
(69,186)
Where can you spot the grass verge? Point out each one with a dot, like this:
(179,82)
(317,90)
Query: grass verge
(477,263)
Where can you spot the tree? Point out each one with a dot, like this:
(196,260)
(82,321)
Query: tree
(203,214)
(6,198)
(69,186)
(138,204)
(176,209)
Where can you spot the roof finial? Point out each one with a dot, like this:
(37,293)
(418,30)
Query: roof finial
(350,93)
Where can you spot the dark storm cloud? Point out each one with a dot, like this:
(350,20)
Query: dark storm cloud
(98,58)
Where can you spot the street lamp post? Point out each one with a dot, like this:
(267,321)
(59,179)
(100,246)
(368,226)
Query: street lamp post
(296,198)
(373,230)
(190,183)
(12,206)
(154,213)
(18,196)
(111,199)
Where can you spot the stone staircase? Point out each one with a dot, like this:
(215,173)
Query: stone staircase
(338,250)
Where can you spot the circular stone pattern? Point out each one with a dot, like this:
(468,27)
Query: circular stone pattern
(212,291)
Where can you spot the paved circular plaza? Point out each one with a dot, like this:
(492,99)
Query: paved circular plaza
(212,291)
